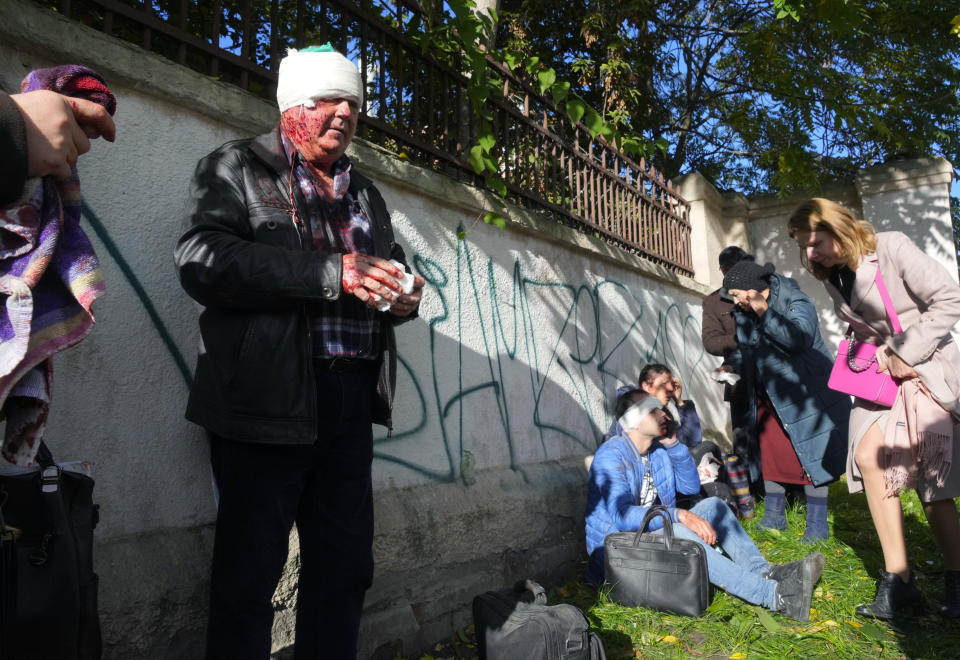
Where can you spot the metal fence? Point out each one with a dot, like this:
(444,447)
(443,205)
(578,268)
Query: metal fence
(417,105)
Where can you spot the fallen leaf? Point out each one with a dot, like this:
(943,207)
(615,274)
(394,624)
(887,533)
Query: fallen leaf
(873,631)
(670,639)
(855,624)
(767,621)
(739,655)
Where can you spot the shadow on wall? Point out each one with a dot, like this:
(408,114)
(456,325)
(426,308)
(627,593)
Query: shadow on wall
(916,215)
(509,368)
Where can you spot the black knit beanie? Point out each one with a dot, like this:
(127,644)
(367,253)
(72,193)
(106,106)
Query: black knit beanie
(747,275)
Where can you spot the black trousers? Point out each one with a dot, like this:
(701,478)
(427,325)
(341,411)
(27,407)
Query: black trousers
(326,489)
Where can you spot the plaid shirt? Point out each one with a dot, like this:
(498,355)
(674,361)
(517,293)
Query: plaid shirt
(345,327)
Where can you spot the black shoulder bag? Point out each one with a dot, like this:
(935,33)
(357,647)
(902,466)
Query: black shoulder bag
(48,604)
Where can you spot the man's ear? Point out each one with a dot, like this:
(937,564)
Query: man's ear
(645,387)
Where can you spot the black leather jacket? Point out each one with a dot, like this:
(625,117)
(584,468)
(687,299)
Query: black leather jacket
(252,267)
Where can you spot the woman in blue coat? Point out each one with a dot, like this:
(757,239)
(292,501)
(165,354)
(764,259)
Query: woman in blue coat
(801,424)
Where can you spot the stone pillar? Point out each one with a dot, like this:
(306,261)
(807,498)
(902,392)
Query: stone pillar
(912,196)
(716,221)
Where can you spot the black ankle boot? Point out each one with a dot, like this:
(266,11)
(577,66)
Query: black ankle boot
(951,595)
(893,596)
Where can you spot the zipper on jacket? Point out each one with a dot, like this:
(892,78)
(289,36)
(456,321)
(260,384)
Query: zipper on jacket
(311,372)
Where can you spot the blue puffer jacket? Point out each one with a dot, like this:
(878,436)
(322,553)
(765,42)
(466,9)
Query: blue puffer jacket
(616,476)
(783,355)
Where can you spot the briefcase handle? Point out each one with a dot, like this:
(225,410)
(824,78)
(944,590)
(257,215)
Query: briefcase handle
(664,513)
(533,587)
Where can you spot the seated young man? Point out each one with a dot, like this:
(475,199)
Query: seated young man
(658,381)
(642,467)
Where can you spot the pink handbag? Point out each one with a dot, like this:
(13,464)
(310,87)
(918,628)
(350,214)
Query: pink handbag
(855,369)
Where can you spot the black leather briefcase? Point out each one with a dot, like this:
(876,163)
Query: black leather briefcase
(659,571)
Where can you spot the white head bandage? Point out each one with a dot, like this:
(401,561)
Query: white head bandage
(317,73)
(632,417)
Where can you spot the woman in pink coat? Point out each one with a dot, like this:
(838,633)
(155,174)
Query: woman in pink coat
(845,253)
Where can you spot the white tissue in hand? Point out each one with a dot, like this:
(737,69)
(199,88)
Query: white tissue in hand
(406,283)
(407,280)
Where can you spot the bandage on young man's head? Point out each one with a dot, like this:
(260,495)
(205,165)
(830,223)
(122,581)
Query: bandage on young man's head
(633,406)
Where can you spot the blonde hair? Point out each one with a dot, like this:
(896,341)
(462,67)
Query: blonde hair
(856,238)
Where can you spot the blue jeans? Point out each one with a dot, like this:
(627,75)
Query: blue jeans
(739,569)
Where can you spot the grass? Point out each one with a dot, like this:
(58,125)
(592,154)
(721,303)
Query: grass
(731,628)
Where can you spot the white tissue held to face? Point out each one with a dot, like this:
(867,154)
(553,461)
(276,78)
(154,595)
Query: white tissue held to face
(725,377)
(406,283)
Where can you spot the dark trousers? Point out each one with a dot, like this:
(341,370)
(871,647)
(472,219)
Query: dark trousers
(326,489)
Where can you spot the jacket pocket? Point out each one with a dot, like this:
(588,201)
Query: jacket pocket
(270,379)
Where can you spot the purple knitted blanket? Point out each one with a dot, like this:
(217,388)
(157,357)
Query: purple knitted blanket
(49,275)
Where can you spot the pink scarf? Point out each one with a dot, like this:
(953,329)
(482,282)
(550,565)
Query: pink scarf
(918,439)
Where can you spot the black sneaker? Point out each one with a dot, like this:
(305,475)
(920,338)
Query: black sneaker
(777,571)
(893,597)
(795,585)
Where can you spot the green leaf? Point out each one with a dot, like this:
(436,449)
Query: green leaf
(546,77)
(766,620)
(532,63)
(496,220)
(593,121)
(461,235)
(489,163)
(476,158)
(662,145)
(873,631)
(510,59)
(486,141)
(494,15)
(629,146)
(575,109)
(478,93)
(497,185)
(559,91)
(462,635)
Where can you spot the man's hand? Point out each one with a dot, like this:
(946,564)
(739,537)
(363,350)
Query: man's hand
(678,391)
(364,274)
(698,526)
(59,130)
(408,302)
(893,364)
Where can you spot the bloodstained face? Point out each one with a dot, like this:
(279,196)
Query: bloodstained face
(661,386)
(321,134)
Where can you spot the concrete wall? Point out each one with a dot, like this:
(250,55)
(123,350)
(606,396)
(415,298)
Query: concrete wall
(524,335)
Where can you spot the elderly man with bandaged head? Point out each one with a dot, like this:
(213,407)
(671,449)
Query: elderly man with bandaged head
(641,468)
(291,254)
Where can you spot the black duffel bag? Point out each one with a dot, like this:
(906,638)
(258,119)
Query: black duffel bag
(659,571)
(517,623)
(48,608)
